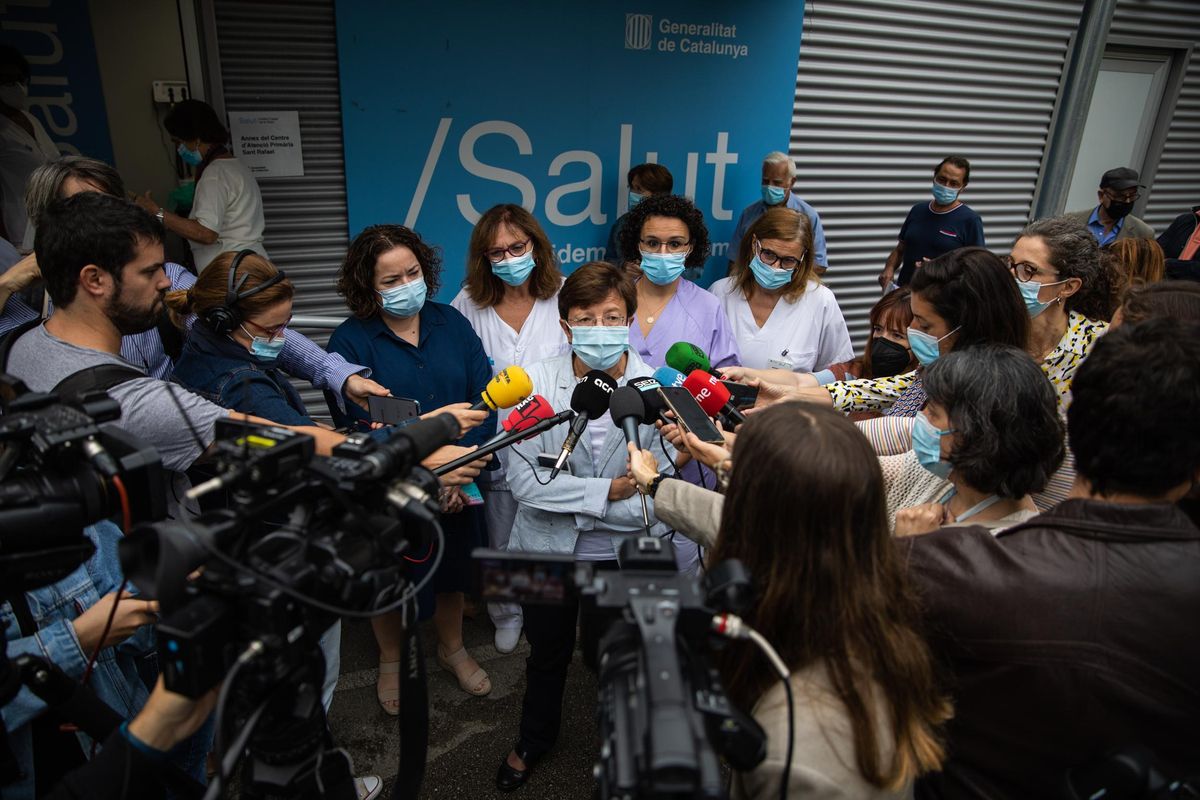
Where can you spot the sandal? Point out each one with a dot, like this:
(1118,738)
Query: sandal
(477,683)
(389,699)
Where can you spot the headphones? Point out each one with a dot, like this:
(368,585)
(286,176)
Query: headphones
(224,318)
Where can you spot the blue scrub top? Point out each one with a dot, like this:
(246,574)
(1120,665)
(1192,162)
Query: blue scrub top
(448,365)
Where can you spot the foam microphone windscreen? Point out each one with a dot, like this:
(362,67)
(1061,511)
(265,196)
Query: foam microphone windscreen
(627,402)
(592,394)
(669,377)
(709,392)
(528,413)
(508,387)
(686,357)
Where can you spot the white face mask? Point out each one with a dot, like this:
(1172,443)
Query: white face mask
(14,95)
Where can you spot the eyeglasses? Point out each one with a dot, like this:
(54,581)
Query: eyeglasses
(1123,197)
(772,259)
(1024,270)
(655,245)
(273,332)
(608,320)
(514,249)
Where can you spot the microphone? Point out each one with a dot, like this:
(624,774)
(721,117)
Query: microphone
(501,442)
(713,397)
(589,401)
(408,445)
(687,358)
(669,377)
(524,416)
(656,407)
(628,410)
(507,387)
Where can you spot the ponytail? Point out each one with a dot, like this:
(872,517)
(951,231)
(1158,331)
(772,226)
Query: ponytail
(179,306)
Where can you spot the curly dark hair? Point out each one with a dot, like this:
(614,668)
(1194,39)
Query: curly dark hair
(1074,253)
(973,291)
(1133,424)
(666,205)
(356,277)
(1005,413)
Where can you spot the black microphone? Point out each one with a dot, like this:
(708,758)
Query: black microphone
(656,407)
(589,401)
(501,442)
(628,410)
(408,445)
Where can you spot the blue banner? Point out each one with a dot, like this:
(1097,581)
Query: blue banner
(451,108)
(55,36)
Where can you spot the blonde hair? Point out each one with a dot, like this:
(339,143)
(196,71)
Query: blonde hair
(212,286)
(786,225)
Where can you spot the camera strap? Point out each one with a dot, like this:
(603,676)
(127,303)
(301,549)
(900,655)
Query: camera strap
(414,710)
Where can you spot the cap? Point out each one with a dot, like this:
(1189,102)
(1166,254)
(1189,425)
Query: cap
(1120,178)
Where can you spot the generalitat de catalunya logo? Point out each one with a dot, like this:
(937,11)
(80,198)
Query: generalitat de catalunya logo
(637,31)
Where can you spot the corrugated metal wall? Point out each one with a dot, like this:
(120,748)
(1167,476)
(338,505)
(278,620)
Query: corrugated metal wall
(282,56)
(887,88)
(1177,182)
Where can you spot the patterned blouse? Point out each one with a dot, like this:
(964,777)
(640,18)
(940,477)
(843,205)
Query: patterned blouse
(879,394)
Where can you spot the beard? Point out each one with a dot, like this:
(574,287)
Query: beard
(129,319)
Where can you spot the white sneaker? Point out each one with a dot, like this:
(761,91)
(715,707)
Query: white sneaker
(507,639)
(368,787)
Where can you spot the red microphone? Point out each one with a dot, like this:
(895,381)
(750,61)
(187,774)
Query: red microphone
(525,415)
(713,397)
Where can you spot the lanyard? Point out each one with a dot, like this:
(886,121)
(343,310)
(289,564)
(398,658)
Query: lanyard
(985,503)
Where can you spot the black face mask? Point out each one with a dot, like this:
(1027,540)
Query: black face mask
(1118,209)
(887,358)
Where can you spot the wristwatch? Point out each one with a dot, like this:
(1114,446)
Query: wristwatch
(652,486)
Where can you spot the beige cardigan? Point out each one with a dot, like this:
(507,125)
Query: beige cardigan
(823,762)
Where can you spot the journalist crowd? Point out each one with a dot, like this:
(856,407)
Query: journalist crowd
(973,544)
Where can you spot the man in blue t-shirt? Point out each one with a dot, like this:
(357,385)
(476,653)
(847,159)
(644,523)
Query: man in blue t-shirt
(935,227)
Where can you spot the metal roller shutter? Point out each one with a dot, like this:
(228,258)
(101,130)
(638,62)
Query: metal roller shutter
(887,88)
(1177,181)
(283,56)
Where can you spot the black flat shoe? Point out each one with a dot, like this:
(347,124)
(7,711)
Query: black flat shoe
(509,779)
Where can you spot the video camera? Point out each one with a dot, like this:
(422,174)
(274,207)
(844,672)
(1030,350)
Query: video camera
(247,590)
(61,469)
(663,714)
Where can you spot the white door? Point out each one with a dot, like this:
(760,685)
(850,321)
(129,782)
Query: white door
(1120,121)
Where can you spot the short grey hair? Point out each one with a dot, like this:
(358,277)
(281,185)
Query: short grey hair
(776,157)
(1074,253)
(1005,412)
(45,183)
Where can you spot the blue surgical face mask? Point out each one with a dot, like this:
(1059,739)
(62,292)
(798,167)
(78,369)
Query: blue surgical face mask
(927,444)
(404,300)
(264,348)
(190,157)
(663,268)
(635,198)
(1029,293)
(944,195)
(924,346)
(773,195)
(514,271)
(600,346)
(769,277)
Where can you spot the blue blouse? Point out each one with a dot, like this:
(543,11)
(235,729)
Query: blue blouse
(448,364)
